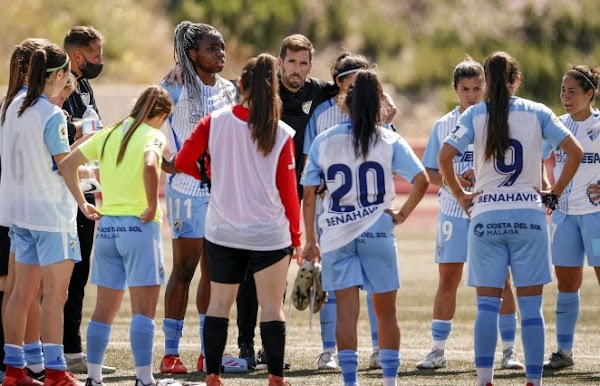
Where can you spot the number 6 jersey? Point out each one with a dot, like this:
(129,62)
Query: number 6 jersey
(359,189)
(512,181)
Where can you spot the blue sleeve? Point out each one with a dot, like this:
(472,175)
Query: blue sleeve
(432,149)
(310,133)
(404,161)
(546,149)
(311,176)
(464,133)
(553,131)
(55,134)
(174,91)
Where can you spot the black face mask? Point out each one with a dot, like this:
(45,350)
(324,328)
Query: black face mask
(91,70)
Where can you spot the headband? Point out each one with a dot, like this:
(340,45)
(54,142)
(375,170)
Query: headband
(352,71)
(586,78)
(59,67)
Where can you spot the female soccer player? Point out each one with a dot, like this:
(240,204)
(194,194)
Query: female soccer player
(326,115)
(508,221)
(451,241)
(128,247)
(17,81)
(46,246)
(577,219)
(357,159)
(253,219)
(200,50)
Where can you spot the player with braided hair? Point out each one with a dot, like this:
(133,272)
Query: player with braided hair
(199,50)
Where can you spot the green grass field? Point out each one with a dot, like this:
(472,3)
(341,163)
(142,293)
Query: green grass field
(419,282)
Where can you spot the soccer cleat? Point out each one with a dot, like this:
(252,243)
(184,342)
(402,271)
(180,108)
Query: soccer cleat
(79,366)
(247,353)
(274,380)
(320,296)
(261,361)
(214,380)
(171,364)
(61,378)
(91,382)
(18,377)
(201,364)
(559,360)
(510,360)
(434,360)
(327,360)
(374,362)
(302,284)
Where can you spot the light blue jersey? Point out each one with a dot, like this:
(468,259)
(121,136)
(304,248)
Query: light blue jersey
(575,199)
(184,118)
(461,162)
(359,189)
(511,182)
(326,115)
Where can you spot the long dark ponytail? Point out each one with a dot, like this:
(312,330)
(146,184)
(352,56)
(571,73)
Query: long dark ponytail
(44,62)
(501,73)
(19,67)
(364,104)
(261,90)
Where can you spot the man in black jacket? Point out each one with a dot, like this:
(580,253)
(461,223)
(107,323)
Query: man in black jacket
(84,47)
(300,95)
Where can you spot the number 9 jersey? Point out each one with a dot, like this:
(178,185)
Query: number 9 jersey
(512,181)
(359,189)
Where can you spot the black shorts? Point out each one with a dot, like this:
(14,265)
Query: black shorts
(4,250)
(229,265)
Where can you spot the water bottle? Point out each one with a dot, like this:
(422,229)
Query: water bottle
(90,121)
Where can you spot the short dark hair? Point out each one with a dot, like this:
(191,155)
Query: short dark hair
(296,43)
(468,68)
(81,36)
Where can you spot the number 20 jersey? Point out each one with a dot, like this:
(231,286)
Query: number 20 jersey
(359,189)
(512,181)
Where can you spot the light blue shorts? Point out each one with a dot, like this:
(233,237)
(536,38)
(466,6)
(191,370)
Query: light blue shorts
(451,239)
(573,237)
(187,214)
(127,253)
(370,261)
(44,248)
(515,238)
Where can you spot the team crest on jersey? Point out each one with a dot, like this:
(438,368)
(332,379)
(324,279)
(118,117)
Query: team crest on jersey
(593,133)
(306,106)
(62,129)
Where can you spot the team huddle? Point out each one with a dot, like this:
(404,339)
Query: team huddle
(323,150)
